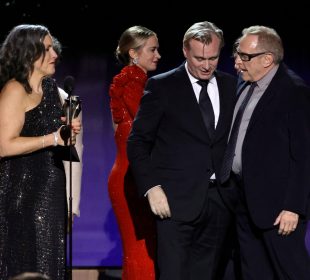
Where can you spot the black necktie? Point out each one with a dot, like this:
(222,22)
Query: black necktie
(206,107)
(231,146)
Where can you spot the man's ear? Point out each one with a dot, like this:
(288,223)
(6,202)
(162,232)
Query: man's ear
(185,52)
(268,60)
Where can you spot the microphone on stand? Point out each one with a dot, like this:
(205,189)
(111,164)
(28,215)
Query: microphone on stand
(69,85)
(71,109)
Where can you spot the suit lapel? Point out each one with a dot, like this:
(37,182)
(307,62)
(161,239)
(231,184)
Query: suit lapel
(240,87)
(186,96)
(262,104)
(224,107)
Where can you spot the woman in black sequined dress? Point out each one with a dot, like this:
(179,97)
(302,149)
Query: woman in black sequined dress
(32,178)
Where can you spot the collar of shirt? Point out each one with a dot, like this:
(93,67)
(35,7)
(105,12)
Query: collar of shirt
(212,91)
(196,86)
(264,82)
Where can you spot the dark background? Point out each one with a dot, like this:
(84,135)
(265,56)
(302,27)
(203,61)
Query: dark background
(89,35)
(85,28)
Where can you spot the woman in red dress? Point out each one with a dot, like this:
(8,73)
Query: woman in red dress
(138,51)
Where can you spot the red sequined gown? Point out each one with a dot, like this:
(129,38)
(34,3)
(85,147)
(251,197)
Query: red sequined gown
(134,217)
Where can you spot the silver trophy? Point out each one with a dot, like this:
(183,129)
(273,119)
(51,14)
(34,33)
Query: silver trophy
(71,108)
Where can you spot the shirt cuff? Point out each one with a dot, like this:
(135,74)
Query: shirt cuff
(145,195)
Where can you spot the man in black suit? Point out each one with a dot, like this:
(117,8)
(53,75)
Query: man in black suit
(175,150)
(267,161)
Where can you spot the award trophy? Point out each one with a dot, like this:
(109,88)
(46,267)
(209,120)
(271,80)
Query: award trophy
(71,109)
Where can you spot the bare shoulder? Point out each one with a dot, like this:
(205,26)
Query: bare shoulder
(13,91)
(13,100)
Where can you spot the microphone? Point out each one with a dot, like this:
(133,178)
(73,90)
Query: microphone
(69,85)
(71,108)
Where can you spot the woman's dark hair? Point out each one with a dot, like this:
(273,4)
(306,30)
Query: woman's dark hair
(19,51)
(57,48)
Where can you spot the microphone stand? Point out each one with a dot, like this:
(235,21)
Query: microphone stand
(70,189)
(73,108)
(67,132)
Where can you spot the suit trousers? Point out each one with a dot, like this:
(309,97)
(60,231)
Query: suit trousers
(195,250)
(267,255)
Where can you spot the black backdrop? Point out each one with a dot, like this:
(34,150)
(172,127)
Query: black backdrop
(88,26)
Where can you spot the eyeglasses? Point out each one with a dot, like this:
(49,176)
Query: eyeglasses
(248,56)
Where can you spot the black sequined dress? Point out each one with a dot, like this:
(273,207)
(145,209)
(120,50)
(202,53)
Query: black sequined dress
(32,199)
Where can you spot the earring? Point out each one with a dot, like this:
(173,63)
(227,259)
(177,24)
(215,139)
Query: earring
(135,60)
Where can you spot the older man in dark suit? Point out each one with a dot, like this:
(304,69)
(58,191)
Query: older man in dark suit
(175,150)
(267,160)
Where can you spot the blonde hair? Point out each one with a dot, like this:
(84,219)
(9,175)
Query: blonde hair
(132,38)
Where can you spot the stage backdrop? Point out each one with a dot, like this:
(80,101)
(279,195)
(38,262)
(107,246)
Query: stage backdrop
(96,240)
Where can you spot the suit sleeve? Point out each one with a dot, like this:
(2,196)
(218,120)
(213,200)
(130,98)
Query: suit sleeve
(298,191)
(142,138)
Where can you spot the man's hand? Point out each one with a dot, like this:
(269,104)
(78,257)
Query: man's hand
(158,202)
(287,222)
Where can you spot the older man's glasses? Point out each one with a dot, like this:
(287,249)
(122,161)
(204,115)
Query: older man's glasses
(248,56)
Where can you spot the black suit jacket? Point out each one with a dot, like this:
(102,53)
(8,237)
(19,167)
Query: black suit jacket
(169,144)
(275,153)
